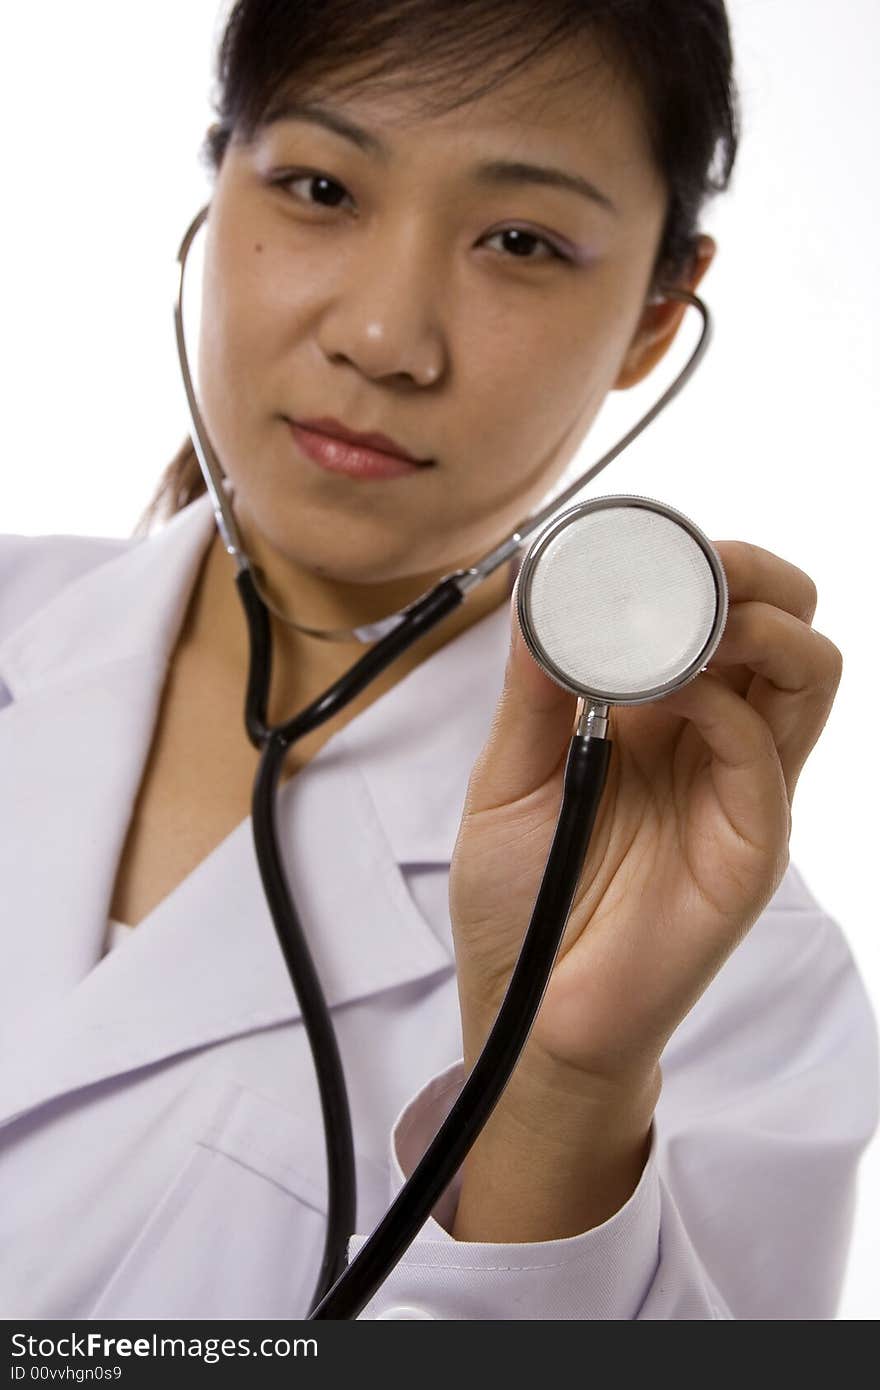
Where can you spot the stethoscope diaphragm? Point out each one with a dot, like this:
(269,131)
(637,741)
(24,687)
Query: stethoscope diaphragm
(622,600)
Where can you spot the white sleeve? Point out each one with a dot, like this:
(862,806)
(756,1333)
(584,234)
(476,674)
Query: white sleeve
(744,1208)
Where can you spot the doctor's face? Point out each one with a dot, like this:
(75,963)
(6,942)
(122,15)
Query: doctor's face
(467,284)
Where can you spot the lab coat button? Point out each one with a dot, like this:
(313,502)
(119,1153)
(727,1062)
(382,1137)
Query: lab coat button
(405,1310)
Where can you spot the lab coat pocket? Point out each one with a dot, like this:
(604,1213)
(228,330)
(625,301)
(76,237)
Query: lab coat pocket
(239,1232)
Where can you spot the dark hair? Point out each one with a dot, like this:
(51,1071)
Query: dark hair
(679,52)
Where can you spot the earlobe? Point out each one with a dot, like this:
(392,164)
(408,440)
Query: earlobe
(660,321)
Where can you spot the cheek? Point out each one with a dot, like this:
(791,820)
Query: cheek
(235,312)
(244,343)
(523,392)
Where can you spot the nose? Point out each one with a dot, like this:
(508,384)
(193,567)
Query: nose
(383,318)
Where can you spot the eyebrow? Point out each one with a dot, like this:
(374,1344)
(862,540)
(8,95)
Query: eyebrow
(498,172)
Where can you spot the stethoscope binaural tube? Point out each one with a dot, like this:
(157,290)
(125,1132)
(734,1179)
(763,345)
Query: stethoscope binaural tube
(391,636)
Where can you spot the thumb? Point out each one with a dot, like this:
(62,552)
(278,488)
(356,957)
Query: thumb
(530,733)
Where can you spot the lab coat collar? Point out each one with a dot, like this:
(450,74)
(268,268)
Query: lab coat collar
(86,675)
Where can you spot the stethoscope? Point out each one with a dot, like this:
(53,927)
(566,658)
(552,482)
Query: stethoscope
(664,585)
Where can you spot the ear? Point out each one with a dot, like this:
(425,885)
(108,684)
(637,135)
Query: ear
(660,319)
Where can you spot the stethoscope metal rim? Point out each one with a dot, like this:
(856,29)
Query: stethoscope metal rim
(528,570)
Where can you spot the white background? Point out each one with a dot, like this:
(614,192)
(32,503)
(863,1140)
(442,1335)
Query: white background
(103,108)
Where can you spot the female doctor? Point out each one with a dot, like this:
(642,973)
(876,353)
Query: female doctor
(451,225)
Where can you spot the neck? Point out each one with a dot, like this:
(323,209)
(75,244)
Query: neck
(215,632)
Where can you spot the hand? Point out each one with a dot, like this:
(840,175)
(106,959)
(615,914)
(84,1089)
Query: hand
(690,843)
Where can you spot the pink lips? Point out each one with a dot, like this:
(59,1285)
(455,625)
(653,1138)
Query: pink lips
(372,440)
(355,459)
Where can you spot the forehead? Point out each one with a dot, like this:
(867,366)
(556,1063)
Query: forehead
(582,97)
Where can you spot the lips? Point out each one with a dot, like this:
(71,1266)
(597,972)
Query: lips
(373,440)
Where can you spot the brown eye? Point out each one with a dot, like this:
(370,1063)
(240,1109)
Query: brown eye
(520,244)
(327,192)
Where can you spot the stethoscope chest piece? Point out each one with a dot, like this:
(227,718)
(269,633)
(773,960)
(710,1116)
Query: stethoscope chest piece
(621,600)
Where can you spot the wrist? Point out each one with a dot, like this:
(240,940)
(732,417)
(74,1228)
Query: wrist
(559,1090)
(563,1110)
(560,1154)
(537,1181)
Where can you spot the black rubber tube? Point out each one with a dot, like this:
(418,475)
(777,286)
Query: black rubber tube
(586,771)
(339,1143)
(338,1138)
(260,663)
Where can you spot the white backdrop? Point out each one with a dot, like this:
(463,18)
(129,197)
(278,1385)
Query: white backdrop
(102,111)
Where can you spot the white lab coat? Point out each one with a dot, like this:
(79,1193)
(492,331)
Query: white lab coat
(161,1149)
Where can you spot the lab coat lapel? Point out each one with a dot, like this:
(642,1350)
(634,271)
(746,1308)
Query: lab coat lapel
(206,964)
(87,675)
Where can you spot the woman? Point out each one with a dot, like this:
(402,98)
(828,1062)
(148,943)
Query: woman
(452,225)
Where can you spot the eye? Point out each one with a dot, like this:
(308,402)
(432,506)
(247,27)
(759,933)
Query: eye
(520,243)
(329,193)
(325,189)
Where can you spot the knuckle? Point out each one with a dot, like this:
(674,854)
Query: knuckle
(739,556)
(835,659)
(752,568)
(831,658)
(811,594)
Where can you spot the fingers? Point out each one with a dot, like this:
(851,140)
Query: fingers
(780,677)
(770,641)
(755,573)
(789,673)
(747,776)
(800,671)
